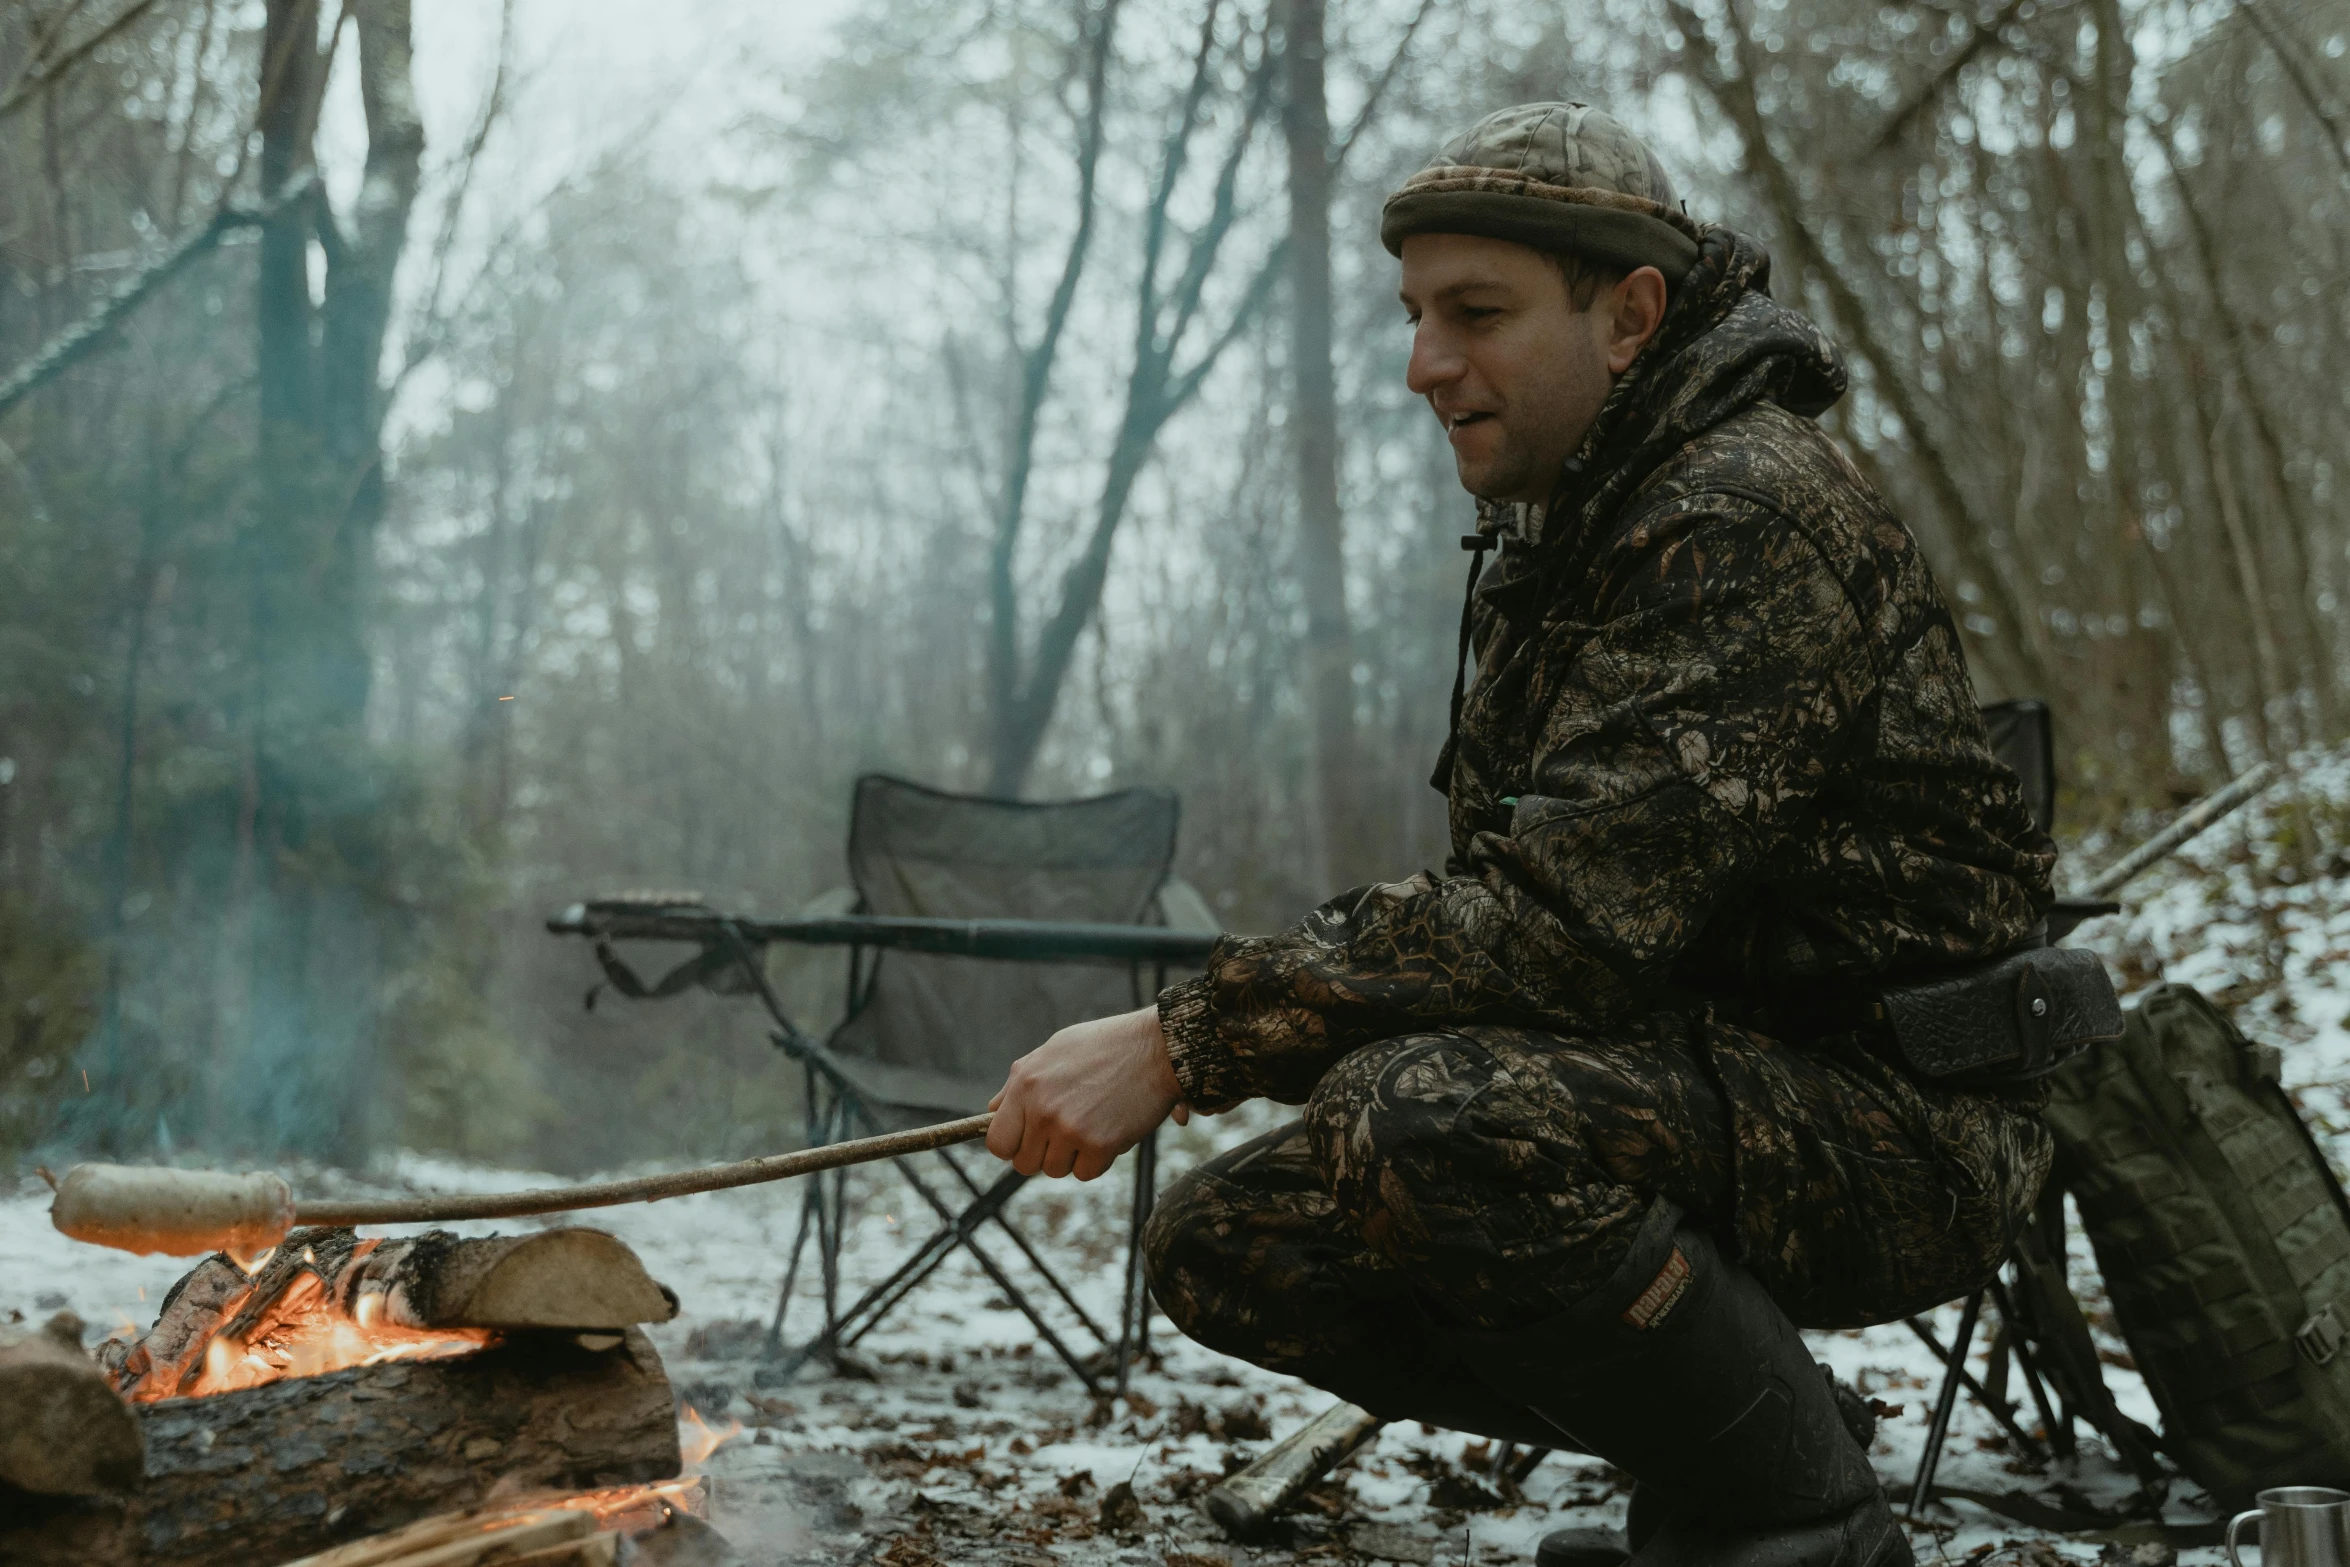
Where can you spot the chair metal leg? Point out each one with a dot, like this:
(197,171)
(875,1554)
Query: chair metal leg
(1028,1251)
(876,1303)
(773,1347)
(989,1206)
(841,1109)
(1998,1408)
(1954,1370)
(1134,1305)
(1076,1307)
(2021,1344)
(831,1218)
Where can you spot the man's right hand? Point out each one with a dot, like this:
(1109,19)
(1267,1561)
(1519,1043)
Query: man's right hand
(1085,1096)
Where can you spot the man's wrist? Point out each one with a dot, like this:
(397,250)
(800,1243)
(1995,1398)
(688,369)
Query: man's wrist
(1156,1061)
(1187,1025)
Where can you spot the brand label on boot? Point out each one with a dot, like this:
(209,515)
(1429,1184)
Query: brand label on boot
(1663,1293)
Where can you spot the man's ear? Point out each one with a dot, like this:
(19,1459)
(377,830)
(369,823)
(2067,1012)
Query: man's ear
(1637,308)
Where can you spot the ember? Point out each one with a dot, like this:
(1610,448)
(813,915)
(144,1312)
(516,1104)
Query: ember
(305,1333)
(286,1320)
(632,1509)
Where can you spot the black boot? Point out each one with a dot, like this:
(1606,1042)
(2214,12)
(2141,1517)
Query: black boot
(1682,1372)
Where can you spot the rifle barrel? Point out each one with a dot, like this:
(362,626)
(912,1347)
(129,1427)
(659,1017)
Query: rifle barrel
(1015,940)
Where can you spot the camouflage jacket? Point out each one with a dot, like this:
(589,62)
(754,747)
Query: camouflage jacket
(1721,743)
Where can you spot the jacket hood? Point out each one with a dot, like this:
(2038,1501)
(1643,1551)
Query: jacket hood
(1723,346)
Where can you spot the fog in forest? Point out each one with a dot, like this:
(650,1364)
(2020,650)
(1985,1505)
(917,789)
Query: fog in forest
(528,454)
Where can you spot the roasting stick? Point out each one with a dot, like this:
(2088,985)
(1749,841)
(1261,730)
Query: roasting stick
(185,1212)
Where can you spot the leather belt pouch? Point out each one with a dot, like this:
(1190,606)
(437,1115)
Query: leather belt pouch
(2013,1018)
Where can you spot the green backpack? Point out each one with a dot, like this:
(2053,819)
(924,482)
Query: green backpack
(2224,1239)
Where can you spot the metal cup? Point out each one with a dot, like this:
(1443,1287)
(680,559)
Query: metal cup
(2300,1526)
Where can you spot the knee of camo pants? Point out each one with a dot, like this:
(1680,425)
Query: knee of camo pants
(1466,1159)
(1240,1253)
(1179,1257)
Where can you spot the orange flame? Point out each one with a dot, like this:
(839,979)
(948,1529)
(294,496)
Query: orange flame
(633,1508)
(696,1441)
(306,1334)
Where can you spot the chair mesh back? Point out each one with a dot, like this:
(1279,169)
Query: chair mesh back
(2024,739)
(917,851)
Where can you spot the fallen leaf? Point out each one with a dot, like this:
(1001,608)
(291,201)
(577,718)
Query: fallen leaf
(1121,1513)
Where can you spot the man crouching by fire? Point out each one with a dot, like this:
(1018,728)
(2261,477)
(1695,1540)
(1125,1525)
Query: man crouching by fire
(1596,1119)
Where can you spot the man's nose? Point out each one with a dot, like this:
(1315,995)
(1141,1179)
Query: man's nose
(1434,362)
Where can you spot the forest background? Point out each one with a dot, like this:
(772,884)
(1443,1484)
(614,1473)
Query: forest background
(540,451)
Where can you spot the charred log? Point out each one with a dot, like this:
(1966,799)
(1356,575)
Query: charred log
(270,1473)
(567,1278)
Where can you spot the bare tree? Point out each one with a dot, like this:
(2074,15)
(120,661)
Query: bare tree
(1305,125)
(1159,382)
(313,847)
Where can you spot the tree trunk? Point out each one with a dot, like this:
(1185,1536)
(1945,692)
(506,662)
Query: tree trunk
(271,1473)
(303,1062)
(1313,425)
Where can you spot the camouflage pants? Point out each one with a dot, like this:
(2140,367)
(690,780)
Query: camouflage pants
(1491,1176)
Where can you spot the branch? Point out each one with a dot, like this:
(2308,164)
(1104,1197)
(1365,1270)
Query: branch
(1178,152)
(1225,207)
(1260,288)
(1036,366)
(1985,35)
(424,338)
(2270,34)
(71,344)
(1379,88)
(40,75)
(1735,97)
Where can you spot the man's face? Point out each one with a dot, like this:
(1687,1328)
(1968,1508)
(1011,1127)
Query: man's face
(1514,372)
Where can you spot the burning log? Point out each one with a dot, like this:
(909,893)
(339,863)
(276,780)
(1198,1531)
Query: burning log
(326,1298)
(346,1386)
(63,1429)
(268,1473)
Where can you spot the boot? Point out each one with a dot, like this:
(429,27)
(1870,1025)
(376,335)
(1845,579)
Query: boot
(1647,1513)
(1682,1372)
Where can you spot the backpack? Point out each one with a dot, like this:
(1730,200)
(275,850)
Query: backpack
(2224,1240)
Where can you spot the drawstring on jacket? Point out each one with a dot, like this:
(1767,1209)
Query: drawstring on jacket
(1476,544)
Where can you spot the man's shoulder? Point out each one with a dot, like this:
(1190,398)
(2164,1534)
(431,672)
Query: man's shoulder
(1778,460)
(1774,475)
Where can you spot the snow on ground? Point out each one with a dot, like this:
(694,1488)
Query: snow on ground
(971,1443)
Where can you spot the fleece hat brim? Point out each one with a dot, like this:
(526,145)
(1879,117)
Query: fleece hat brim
(1556,176)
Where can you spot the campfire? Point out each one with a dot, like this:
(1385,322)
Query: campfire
(286,1313)
(359,1403)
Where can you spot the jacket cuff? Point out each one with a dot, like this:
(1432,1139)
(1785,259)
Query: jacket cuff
(1203,1066)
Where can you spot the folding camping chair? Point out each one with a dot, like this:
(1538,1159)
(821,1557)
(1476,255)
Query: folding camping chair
(930,1036)
(978,927)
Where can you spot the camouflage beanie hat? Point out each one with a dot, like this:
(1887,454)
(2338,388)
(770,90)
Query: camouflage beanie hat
(1556,176)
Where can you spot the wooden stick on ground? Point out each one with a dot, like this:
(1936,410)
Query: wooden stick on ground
(458,1540)
(1246,1503)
